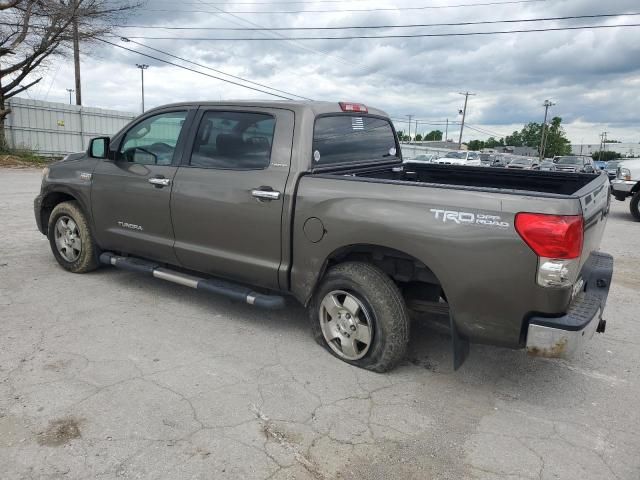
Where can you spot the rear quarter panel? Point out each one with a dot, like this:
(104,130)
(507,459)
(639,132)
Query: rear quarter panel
(487,271)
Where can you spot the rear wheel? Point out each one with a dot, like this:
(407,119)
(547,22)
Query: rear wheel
(71,240)
(634,206)
(358,314)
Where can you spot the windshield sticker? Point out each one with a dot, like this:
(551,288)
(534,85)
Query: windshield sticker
(468,218)
(357,123)
(392,151)
(316,155)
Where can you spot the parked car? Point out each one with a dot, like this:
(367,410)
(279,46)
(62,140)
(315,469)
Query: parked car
(612,168)
(599,164)
(461,157)
(258,201)
(627,184)
(524,163)
(500,160)
(575,164)
(547,165)
(425,158)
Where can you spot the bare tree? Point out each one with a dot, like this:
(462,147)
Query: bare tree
(34,31)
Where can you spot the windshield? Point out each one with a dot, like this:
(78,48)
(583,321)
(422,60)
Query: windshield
(456,155)
(613,165)
(521,161)
(569,161)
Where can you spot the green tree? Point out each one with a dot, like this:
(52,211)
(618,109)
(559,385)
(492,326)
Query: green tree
(433,135)
(514,140)
(493,143)
(476,145)
(557,142)
(418,137)
(605,156)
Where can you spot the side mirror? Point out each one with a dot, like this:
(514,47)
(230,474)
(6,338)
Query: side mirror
(99,147)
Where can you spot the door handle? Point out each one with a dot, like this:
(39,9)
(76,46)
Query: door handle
(159,182)
(263,194)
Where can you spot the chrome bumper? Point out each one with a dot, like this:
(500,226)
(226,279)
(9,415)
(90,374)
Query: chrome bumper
(561,337)
(623,186)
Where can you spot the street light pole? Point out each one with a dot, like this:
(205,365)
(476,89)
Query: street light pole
(464,114)
(142,68)
(543,140)
(70,90)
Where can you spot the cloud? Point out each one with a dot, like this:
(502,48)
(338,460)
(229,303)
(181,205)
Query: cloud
(592,75)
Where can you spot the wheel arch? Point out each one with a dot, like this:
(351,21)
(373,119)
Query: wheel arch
(53,199)
(402,267)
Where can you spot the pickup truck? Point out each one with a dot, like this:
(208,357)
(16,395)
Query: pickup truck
(260,201)
(627,184)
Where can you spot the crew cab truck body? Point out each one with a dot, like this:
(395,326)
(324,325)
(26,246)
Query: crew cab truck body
(311,199)
(627,184)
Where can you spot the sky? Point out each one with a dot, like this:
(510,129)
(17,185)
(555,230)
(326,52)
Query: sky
(592,76)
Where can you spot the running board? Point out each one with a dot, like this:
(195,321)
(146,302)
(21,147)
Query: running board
(212,285)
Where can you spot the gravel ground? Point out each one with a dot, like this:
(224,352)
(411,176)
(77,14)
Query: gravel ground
(116,375)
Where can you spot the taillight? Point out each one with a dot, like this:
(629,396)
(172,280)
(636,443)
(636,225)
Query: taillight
(353,107)
(552,236)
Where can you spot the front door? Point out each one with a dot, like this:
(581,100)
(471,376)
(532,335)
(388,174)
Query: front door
(228,194)
(131,191)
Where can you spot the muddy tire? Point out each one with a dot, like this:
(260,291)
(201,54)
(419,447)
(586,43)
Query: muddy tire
(358,314)
(71,240)
(634,206)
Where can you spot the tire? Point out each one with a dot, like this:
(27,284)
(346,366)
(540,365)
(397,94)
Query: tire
(634,206)
(71,240)
(378,305)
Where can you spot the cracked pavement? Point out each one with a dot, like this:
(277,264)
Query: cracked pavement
(116,375)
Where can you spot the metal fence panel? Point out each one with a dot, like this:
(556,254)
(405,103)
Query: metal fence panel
(56,129)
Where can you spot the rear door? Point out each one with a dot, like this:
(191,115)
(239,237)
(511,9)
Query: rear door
(131,191)
(228,194)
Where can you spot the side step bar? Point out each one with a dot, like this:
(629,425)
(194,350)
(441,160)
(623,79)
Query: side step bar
(220,287)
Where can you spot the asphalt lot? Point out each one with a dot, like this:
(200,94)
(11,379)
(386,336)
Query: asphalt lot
(116,375)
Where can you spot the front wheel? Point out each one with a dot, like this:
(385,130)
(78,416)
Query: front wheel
(71,240)
(634,206)
(358,314)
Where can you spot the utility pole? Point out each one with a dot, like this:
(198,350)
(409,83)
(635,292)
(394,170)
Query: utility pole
(416,133)
(543,140)
(70,90)
(142,68)
(410,117)
(446,131)
(603,144)
(76,52)
(464,114)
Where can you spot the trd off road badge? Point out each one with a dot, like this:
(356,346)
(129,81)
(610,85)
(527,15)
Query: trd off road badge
(468,218)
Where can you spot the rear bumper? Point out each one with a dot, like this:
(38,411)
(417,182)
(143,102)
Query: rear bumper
(561,337)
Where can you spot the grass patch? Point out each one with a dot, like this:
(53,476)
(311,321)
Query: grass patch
(22,158)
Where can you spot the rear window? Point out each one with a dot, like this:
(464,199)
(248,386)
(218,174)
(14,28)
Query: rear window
(352,138)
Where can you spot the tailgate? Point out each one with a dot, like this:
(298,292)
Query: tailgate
(594,201)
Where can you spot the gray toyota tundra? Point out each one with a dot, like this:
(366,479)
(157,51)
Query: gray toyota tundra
(259,201)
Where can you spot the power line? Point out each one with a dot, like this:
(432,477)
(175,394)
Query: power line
(212,69)
(303,47)
(368,27)
(191,69)
(353,10)
(415,35)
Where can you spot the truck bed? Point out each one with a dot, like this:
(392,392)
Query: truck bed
(552,183)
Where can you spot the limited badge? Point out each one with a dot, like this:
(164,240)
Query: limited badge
(316,155)
(392,151)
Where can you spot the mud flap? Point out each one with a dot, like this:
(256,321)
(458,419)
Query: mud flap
(459,345)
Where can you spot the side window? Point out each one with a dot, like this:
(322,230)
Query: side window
(153,141)
(233,140)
